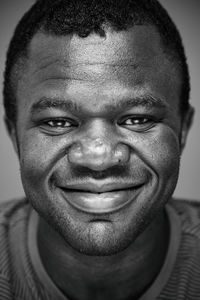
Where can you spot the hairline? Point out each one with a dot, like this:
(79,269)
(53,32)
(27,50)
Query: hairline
(20,64)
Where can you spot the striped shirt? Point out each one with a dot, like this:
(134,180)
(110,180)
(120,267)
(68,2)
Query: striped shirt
(23,277)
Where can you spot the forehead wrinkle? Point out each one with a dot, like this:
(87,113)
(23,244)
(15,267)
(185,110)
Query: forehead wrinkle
(88,72)
(44,65)
(63,52)
(110,64)
(65,64)
(67,60)
(100,72)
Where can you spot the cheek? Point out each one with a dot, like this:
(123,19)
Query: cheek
(160,150)
(166,152)
(38,155)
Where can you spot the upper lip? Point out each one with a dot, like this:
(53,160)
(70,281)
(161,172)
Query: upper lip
(100,187)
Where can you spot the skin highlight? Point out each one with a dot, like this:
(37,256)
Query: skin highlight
(95,140)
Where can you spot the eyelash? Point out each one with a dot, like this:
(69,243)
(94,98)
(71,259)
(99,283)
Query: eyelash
(143,123)
(58,125)
(59,121)
(143,119)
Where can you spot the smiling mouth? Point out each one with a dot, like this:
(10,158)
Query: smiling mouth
(100,203)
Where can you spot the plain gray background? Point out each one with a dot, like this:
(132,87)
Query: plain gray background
(185,13)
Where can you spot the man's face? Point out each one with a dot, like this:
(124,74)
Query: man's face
(98,131)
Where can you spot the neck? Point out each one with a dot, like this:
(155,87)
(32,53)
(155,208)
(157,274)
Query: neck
(121,276)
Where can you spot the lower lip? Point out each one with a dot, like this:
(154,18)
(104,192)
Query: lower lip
(102,203)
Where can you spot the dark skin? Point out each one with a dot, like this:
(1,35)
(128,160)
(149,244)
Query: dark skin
(122,128)
(125,275)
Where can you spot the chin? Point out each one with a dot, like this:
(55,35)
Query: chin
(99,238)
(99,244)
(84,233)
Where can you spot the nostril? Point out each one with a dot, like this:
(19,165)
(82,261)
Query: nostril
(122,153)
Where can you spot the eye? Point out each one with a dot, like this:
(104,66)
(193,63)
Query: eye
(138,123)
(58,125)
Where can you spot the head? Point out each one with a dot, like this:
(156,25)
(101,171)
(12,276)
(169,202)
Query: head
(96,97)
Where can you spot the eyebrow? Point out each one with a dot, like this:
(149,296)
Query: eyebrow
(57,103)
(147,101)
(66,105)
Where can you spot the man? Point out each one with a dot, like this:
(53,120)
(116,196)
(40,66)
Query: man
(96,104)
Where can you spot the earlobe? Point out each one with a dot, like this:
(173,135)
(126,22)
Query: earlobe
(186,125)
(11,129)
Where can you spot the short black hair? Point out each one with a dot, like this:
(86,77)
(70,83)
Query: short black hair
(82,17)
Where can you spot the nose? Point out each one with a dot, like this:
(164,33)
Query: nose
(98,153)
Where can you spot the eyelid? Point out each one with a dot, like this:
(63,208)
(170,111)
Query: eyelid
(140,127)
(47,129)
(139,116)
(58,119)
(48,123)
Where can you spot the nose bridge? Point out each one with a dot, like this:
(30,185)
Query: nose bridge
(97,130)
(98,147)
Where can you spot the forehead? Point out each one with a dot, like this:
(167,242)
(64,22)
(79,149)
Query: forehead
(127,59)
(114,48)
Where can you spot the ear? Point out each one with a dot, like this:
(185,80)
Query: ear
(186,125)
(11,129)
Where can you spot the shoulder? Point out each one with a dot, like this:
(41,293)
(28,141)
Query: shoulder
(13,217)
(11,212)
(8,209)
(182,205)
(189,214)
